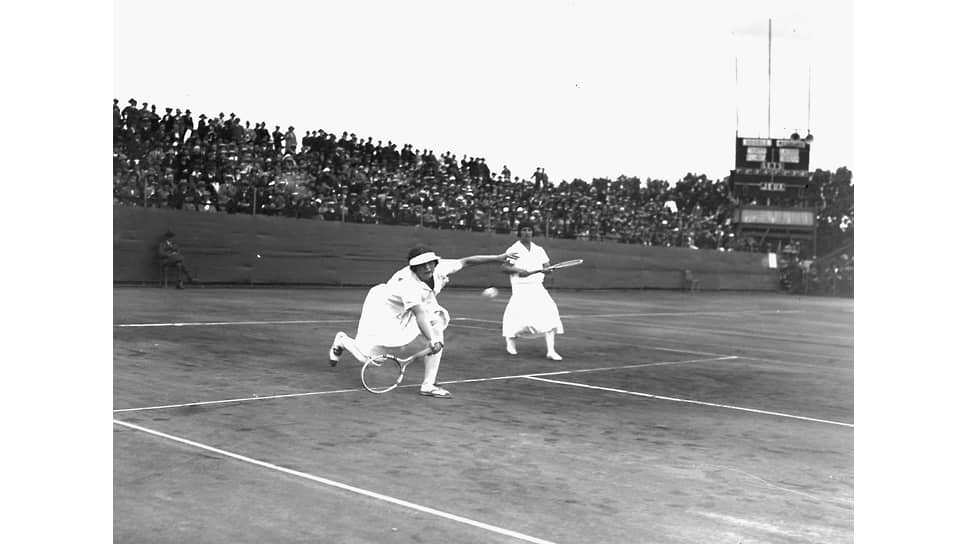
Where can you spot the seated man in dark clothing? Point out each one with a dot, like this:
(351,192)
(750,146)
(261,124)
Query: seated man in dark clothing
(169,255)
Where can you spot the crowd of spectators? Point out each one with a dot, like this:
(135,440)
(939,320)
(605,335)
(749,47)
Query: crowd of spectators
(227,164)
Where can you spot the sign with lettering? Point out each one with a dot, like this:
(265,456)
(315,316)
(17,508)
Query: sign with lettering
(757,142)
(791,143)
(802,218)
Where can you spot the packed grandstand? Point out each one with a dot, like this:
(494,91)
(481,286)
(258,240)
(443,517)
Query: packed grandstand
(225,164)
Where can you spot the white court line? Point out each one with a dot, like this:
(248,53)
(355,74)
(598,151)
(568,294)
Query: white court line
(712,404)
(469,380)
(339,485)
(688,351)
(241,399)
(215,323)
(583,370)
(803,338)
(318,321)
(691,351)
(657,314)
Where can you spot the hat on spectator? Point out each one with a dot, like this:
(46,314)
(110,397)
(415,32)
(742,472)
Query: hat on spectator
(202,116)
(188,111)
(133,101)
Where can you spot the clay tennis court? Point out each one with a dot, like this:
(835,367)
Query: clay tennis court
(674,417)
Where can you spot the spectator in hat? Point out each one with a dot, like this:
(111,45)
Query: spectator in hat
(117,119)
(130,115)
(277,138)
(202,129)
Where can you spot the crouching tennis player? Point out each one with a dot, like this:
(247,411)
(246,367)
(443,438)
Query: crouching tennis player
(402,315)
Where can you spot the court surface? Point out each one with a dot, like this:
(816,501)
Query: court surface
(674,418)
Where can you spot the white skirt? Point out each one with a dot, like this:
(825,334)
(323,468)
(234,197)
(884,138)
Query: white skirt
(530,312)
(382,326)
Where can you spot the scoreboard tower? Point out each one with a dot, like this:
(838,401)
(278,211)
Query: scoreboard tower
(772,185)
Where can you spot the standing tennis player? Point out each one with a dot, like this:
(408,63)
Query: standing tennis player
(402,315)
(530,312)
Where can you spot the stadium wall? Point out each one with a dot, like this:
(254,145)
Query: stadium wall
(262,250)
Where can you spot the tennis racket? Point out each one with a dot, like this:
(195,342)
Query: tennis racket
(564,264)
(385,372)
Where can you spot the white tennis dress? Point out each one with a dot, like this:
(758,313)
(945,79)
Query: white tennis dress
(387,319)
(531,311)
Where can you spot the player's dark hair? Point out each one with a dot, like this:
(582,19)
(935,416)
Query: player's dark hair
(525,224)
(417,250)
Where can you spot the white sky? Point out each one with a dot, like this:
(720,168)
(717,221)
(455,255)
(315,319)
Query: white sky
(582,88)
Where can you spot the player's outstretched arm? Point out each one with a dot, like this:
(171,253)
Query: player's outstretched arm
(484,259)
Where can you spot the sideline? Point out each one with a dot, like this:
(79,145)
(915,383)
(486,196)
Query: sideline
(689,401)
(340,485)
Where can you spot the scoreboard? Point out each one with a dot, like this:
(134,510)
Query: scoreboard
(771,161)
(773,170)
(772,154)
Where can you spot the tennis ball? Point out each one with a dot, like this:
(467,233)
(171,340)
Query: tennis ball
(490,292)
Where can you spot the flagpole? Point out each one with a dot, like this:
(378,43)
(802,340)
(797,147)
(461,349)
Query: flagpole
(769,77)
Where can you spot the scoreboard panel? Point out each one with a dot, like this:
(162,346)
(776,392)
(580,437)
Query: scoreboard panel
(772,154)
(794,217)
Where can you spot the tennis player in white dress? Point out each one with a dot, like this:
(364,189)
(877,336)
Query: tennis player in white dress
(403,316)
(530,312)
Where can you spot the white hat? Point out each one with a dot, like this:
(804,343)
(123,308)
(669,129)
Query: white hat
(424,258)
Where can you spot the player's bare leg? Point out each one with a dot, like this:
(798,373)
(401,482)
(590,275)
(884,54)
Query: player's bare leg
(550,343)
(429,387)
(510,345)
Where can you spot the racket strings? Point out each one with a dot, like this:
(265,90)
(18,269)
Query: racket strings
(381,374)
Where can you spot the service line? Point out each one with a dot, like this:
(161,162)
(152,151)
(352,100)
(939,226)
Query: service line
(469,380)
(217,323)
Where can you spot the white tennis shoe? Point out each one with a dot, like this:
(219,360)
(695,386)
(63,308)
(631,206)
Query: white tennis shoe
(435,392)
(336,349)
(553,356)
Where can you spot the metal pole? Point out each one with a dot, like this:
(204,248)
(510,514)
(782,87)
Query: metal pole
(769,78)
(736,90)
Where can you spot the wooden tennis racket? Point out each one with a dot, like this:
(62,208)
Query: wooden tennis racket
(564,264)
(384,373)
